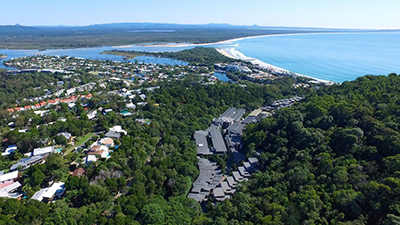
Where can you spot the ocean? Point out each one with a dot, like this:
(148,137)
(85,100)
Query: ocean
(335,57)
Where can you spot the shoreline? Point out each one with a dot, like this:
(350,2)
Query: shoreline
(235,39)
(256,36)
(235,54)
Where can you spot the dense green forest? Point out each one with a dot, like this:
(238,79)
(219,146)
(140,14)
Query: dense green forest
(22,37)
(195,56)
(334,159)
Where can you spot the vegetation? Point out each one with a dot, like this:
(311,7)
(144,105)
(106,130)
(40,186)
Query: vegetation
(21,37)
(332,160)
(147,178)
(195,56)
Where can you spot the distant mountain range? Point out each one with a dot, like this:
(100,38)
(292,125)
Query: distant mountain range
(155,26)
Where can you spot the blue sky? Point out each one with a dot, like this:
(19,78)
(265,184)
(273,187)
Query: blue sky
(301,13)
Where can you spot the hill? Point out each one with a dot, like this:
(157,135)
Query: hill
(334,159)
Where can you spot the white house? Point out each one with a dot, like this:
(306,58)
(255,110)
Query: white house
(56,190)
(10,149)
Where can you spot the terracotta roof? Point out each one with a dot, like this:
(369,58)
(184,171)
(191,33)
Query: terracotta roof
(107,141)
(97,152)
(79,172)
(95,148)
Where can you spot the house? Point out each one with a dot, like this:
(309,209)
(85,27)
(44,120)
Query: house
(243,172)
(226,188)
(143,121)
(142,103)
(118,129)
(41,113)
(10,149)
(248,167)
(50,193)
(100,150)
(92,114)
(113,134)
(219,194)
(8,177)
(7,191)
(26,162)
(89,159)
(67,135)
(43,151)
(131,106)
(254,162)
(107,142)
(231,182)
(105,111)
(237,176)
(79,172)
(143,96)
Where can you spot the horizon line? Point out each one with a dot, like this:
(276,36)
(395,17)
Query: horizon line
(202,24)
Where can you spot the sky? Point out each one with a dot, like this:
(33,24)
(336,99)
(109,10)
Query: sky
(377,14)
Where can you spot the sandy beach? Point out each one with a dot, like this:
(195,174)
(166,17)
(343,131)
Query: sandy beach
(229,40)
(233,53)
(122,46)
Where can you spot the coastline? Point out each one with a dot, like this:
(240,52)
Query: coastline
(213,43)
(234,39)
(235,54)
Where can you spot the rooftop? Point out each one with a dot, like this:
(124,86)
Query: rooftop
(42,151)
(217,140)
(201,143)
(236,128)
(8,176)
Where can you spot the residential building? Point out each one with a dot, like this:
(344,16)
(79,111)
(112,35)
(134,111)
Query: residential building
(26,162)
(50,193)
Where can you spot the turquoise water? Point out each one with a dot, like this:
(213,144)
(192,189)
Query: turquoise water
(335,57)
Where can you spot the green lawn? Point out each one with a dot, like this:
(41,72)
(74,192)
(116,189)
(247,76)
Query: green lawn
(81,142)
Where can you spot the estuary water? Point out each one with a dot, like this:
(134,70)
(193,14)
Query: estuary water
(94,53)
(335,57)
